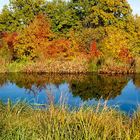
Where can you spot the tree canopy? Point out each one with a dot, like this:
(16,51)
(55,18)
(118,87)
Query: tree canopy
(65,15)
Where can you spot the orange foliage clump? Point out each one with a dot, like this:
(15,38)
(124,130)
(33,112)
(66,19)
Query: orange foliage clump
(40,28)
(94,52)
(125,55)
(10,39)
(58,48)
(38,41)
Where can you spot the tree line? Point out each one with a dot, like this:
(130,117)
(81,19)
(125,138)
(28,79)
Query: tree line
(99,31)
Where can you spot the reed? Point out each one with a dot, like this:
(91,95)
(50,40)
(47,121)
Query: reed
(22,121)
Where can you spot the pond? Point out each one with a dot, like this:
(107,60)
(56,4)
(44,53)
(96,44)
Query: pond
(75,90)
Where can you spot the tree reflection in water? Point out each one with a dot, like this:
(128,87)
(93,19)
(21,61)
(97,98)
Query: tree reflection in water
(84,86)
(99,86)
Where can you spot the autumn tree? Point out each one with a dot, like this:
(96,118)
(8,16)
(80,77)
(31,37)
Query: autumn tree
(34,39)
(116,45)
(137,39)
(75,23)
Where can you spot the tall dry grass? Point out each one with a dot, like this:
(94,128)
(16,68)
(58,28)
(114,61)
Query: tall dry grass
(21,121)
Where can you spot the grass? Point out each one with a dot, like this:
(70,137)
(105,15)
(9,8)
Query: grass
(48,66)
(75,65)
(22,122)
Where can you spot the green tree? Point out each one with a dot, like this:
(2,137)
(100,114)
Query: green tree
(7,22)
(105,12)
(63,15)
(19,13)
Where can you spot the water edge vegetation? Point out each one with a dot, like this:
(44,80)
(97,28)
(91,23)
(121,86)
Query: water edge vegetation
(21,121)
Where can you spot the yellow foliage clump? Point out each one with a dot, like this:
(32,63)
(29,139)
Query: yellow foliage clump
(114,40)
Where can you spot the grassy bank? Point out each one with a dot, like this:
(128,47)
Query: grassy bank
(57,123)
(67,66)
(48,66)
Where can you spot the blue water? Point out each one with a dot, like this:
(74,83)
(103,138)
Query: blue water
(122,92)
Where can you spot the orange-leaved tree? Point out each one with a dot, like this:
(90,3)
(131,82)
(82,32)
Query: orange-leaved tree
(7,44)
(34,39)
(94,52)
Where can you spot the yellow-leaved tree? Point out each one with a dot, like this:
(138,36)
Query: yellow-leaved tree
(114,40)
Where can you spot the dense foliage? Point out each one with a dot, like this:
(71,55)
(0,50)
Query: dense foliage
(95,32)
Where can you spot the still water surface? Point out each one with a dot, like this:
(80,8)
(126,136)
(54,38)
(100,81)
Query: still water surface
(122,92)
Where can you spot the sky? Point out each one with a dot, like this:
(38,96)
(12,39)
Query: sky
(2,3)
(135,5)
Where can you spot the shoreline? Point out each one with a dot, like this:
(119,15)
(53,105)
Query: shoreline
(72,73)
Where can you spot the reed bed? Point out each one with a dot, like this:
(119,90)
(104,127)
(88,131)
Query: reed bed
(23,122)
